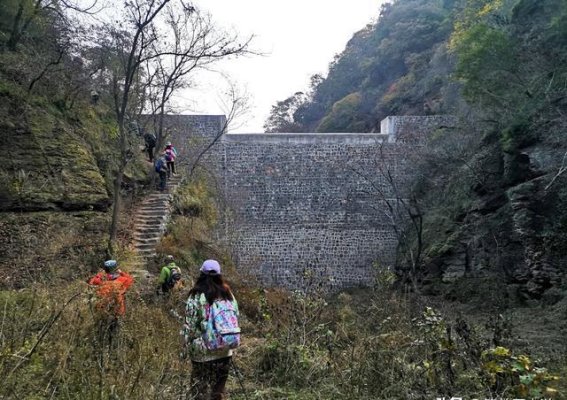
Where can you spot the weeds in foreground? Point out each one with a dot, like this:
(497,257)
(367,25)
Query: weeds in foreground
(371,344)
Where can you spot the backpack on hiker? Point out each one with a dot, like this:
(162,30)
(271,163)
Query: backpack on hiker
(169,155)
(222,331)
(159,165)
(174,277)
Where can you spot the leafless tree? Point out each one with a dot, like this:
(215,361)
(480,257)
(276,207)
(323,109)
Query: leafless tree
(134,41)
(388,182)
(235,105)
(158,47)
(189,41)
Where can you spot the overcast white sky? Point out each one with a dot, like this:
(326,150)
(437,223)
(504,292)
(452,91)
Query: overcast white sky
(300,38)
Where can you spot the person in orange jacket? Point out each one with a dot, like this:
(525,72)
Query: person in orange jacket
(111,284)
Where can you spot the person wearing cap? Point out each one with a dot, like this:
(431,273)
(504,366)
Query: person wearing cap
(170,156)
(169,276)
(112,285)
(210,368)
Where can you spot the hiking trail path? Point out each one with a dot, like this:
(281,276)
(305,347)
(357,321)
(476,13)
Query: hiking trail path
(150,222)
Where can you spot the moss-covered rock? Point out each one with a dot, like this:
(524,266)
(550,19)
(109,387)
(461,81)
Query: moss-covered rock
(48,161)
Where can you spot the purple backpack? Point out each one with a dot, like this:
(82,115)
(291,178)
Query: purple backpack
(169,155)
(223,332)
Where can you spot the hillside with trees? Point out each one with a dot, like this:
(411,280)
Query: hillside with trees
(476,304)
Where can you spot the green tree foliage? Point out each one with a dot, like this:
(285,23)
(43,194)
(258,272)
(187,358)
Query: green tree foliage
(281,116)
(343,114)
(405,45)
(510,57)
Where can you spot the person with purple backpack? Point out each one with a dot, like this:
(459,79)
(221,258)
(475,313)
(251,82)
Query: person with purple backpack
(170,156)
(211,332)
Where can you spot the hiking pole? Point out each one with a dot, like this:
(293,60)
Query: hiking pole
(238,377)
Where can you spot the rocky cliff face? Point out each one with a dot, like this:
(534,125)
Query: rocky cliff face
(507,241)
(55,187)
(47,160)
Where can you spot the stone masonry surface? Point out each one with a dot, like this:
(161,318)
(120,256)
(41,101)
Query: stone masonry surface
(306,208)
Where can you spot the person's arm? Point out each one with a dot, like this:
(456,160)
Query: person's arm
(163,275)
(126,280)
(192,326)
(96,280)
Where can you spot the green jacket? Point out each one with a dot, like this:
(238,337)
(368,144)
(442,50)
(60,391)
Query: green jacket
(166,273)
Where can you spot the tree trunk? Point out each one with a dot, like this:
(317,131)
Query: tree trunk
(15,34)
(111,250)
(115,213)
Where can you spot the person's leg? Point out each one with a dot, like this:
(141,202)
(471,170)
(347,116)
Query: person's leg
(199,381)
(173,167)
(151,153)
(113,330)
(220,370)
(169,168)
(162,181)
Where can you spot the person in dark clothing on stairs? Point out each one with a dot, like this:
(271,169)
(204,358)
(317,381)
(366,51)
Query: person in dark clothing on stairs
(161,169)
(150,140)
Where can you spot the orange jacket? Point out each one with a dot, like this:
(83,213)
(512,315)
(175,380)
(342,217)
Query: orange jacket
(111,291)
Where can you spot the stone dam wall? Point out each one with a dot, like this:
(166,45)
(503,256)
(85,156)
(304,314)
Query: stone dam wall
(306,209)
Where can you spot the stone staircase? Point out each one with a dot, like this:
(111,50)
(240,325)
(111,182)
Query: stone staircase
(151,219)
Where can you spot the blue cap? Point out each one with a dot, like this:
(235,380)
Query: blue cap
(110,264)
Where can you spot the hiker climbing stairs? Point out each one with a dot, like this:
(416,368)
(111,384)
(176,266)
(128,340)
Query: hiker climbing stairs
(151,219)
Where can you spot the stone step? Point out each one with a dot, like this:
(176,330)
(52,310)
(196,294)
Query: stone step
(155,226)
(151,224)
(147,239)
(151,213)
(145,212)
(149,230)
(159,196)
(156,204)
(153,208)
(156,200)
(155,230)
(145,247)
(143,241)
(148,219)
(160,204)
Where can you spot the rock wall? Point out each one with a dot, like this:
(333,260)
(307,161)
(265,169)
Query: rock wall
(307,208)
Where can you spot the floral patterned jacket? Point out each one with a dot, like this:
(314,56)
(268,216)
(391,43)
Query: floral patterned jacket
(197,311)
